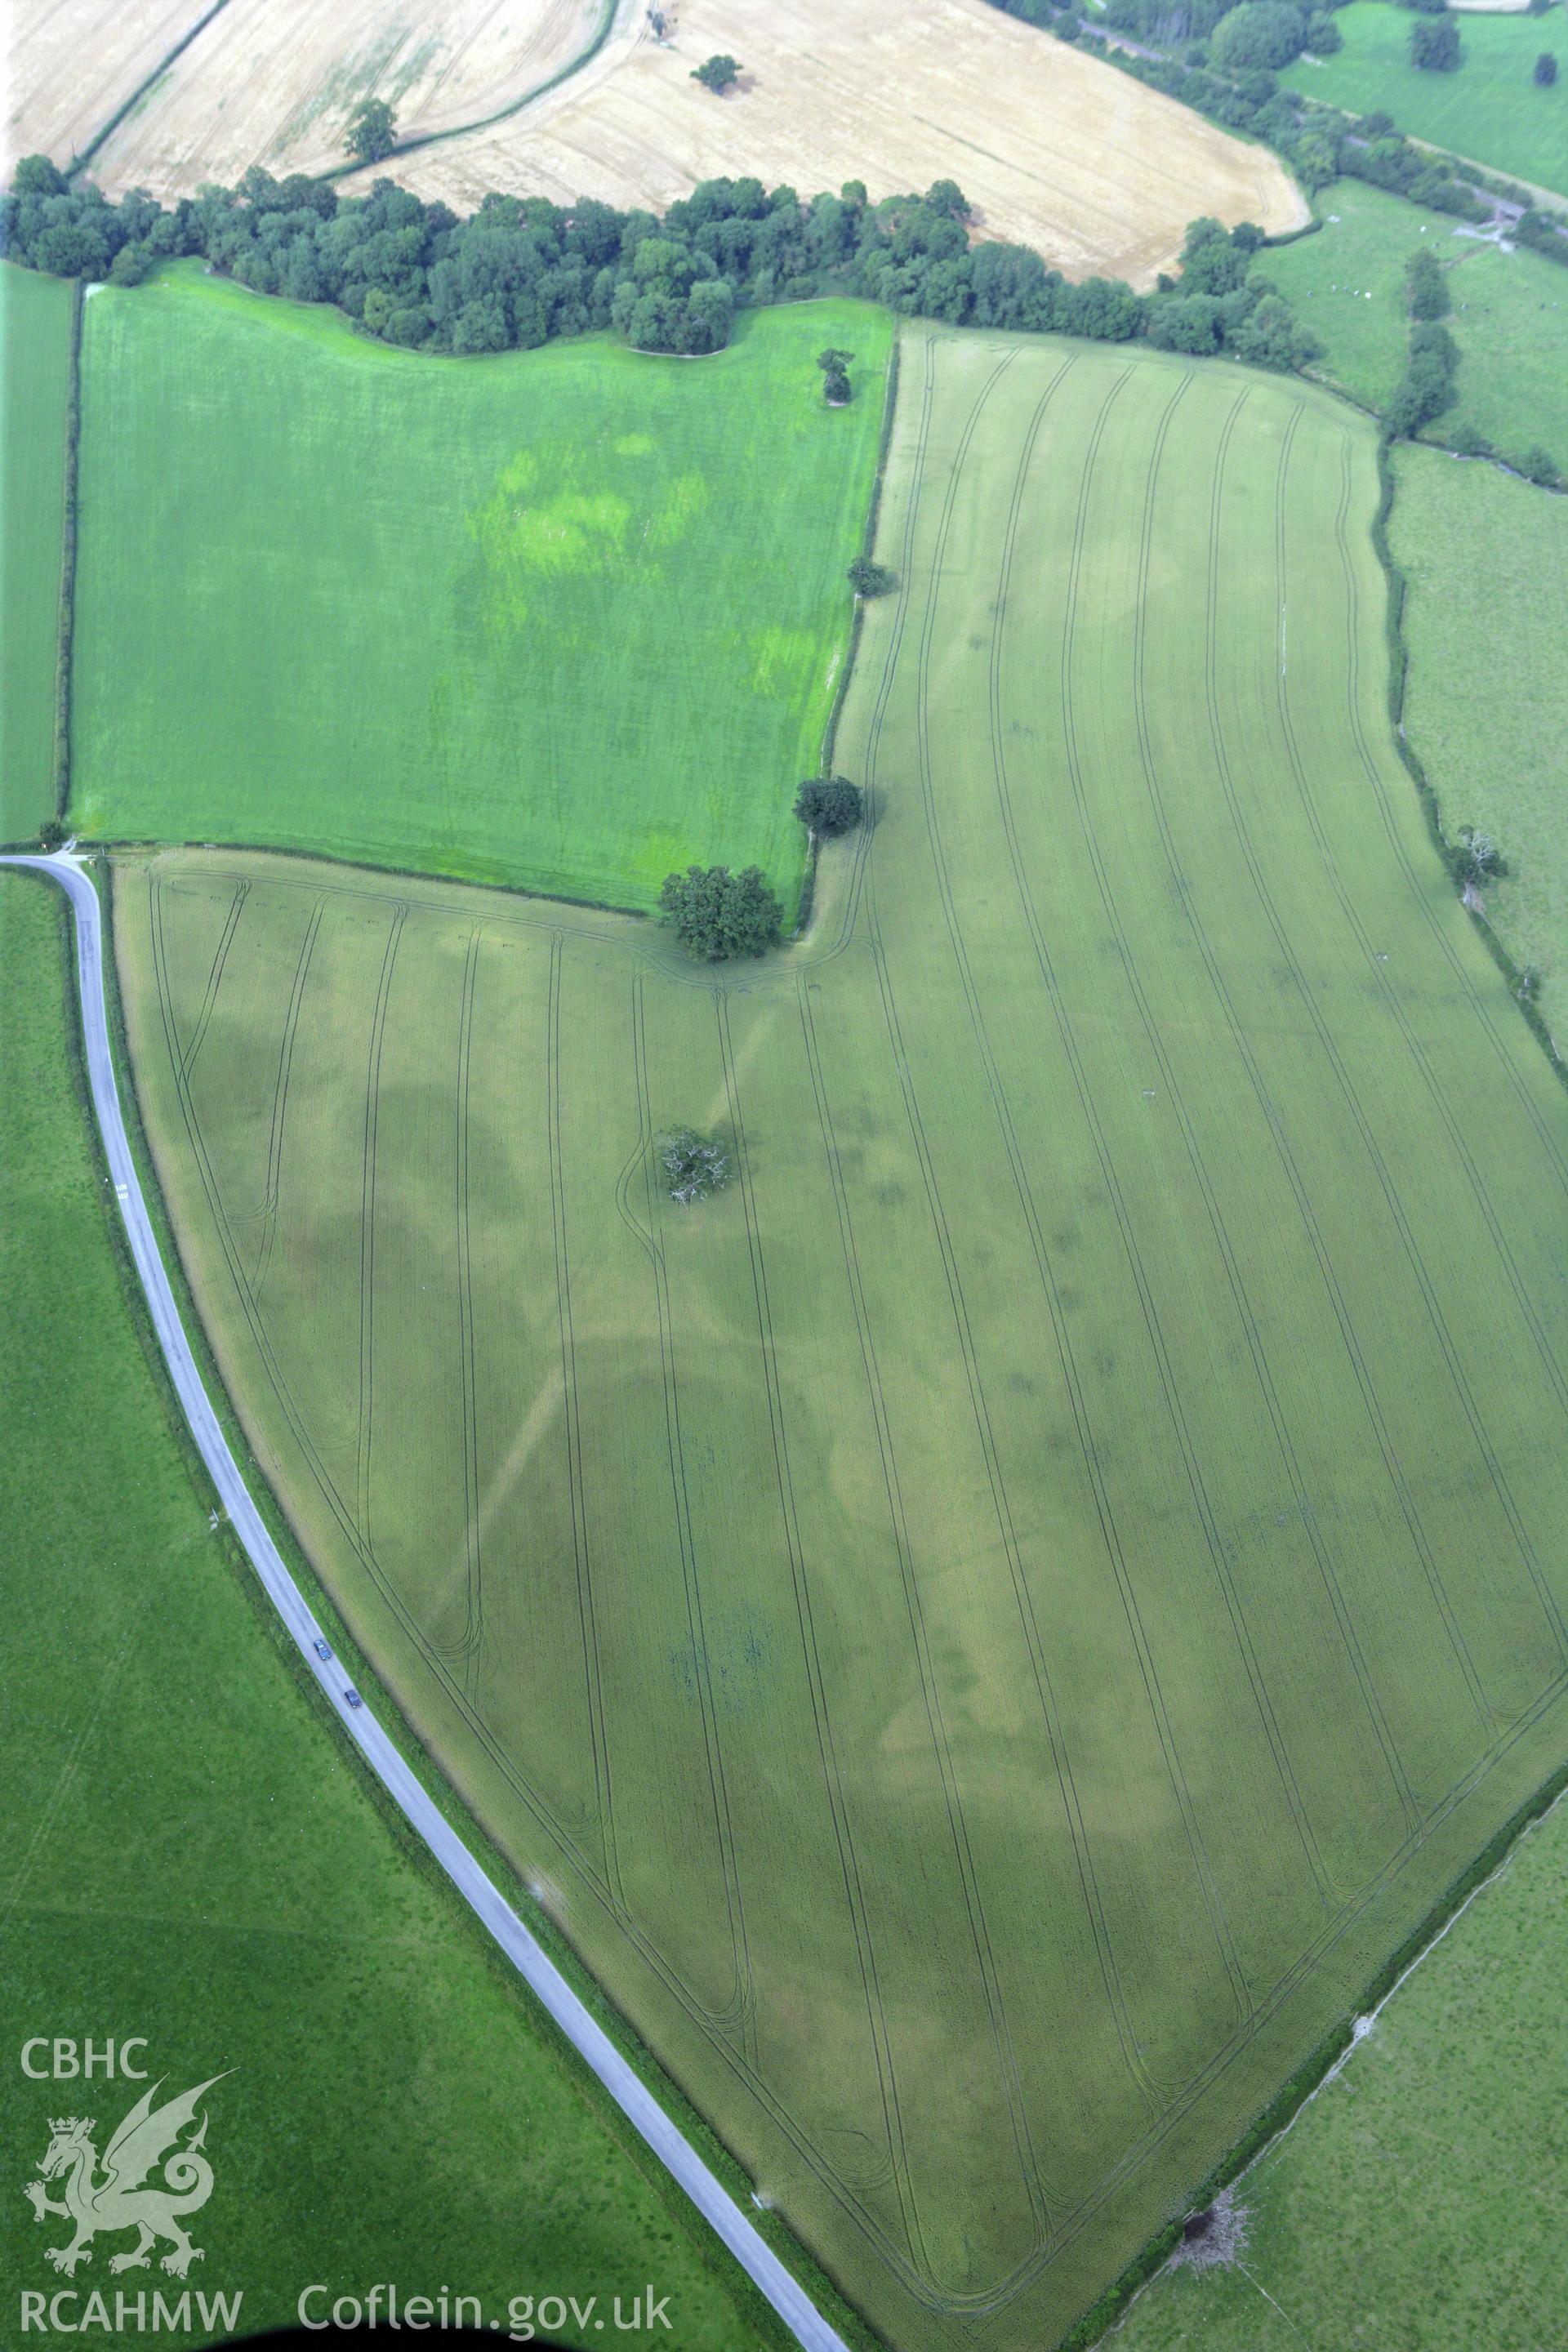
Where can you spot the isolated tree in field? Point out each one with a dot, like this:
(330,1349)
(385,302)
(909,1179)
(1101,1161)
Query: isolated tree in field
(868,579)
(1545,70)
(694,1165)
(716,74)
(835,366)
(373,131)
(1434,45)
(716,914)
(827,805)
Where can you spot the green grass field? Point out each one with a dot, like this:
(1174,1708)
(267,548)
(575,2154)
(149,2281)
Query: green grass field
(565,619)
(1487,704)
(987,1632)
(187,1851)
(35,377)
(1417,2206)
(1510,317)
(1488,109)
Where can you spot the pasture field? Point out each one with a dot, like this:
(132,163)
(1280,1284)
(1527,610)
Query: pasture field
(1416,2202)
(563,619)
(35,385)
(1488,109)
(1510,317)
(189,1851)
(1486,703)
(1054,149)
(986,1632)
(274,84)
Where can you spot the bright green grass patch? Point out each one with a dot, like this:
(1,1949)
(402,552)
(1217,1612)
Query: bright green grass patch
(1487,701)
(1489,110)
(188,1852)
(1510,317)
(1415,2206)
(34,381)
(565,619)
(993,1627)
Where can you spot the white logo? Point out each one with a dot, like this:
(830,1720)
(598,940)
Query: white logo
(116,2199)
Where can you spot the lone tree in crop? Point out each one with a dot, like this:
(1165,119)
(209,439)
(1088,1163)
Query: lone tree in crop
(694,1165)
(1545,70)
(716,914)
(835,366)
(716,74)
(868,579)
(373,131)
(829,804)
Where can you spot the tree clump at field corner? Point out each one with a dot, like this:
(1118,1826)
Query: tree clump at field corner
(717,915)
(836,386)
(827,805)
(373,131)
(868,579)
(694,1165)
(717,74)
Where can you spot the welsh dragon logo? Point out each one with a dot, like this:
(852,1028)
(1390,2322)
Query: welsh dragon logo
(117,2198)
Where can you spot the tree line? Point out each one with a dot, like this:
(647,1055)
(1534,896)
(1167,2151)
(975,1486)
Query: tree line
(523,270)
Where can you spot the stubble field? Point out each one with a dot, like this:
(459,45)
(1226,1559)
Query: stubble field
(986,1632)
(565,619)
(1056,149)
(275,85)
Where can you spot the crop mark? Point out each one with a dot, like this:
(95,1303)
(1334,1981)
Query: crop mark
(739,2012)
(588,1630)
(280,1102)
(367,1225)
(473,1630)
(1462,1389)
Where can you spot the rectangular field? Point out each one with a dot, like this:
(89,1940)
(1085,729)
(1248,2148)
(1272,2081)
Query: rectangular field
(565,619)
(1509,315)
(1053,148)
(34,389)
(1486,703)
(1490,109)
(987,1632)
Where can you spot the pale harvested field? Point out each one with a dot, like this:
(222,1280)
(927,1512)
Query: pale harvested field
(68,64)
(272,82)
(1054,149)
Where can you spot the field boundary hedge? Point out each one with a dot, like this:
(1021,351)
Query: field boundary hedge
(66,624)
(149,82)
(1398,674)
(851,653)
(1293,2095)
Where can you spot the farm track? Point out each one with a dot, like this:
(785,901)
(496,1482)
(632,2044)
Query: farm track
(906,1555)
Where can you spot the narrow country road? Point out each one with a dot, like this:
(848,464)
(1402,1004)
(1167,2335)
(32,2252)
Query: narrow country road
(668,2142)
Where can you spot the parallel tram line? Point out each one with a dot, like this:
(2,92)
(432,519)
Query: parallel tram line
(473,1630)
(367,1225)
(1246,1313)
(582,1555)
(1333,1291)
